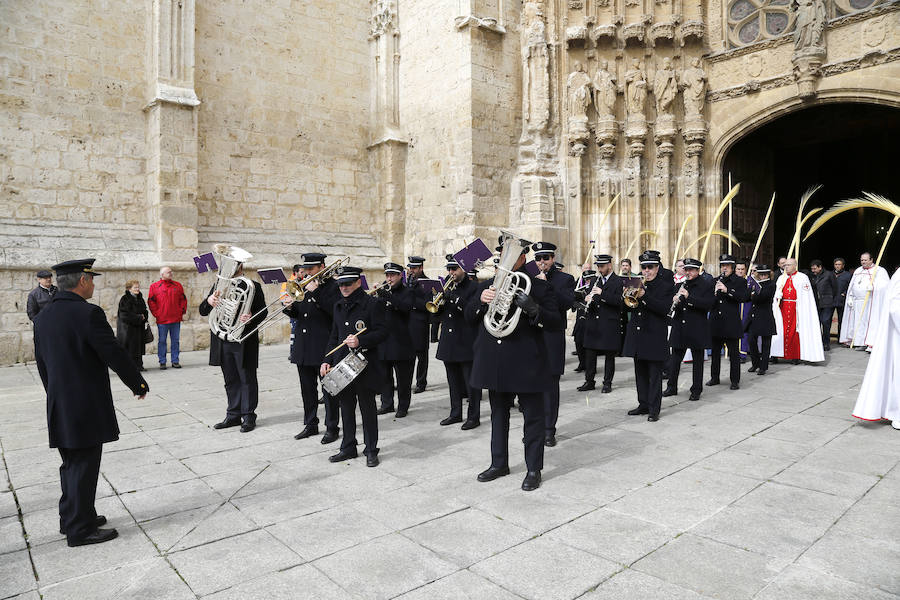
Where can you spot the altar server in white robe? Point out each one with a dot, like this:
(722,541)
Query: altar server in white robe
(864,299)
(798,331)
(879,394)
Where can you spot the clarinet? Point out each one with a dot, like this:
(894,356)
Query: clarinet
(675,304)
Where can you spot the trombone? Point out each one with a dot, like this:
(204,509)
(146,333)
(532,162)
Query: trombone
(297,291)
(438,301)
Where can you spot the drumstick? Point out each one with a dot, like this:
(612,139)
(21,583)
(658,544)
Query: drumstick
(336,348)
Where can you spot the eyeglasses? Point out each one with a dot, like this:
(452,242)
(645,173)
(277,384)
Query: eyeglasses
(543,258)
(345,283)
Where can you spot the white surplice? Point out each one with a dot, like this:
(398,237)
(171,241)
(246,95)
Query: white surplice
(864,298)
(808,325)
(879,394)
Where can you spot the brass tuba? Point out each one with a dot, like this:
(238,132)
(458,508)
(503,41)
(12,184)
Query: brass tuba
(502,317)
(235,293)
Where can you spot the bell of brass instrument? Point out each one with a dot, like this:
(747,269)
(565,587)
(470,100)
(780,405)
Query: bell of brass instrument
(235,293)
(502,316)
(629,295)
(438,301)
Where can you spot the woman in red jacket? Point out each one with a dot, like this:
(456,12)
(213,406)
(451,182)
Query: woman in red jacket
(168,304)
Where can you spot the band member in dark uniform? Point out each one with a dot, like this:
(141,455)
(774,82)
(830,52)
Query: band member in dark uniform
(603,324)
(563,286)
(238,361)
(693,299)
(312,326)
(419,320)
(74,347)
(513,365)
(455,346)
(580,310)
(725,321)
(355,311)
(646,339)
(396,351)
(761,326)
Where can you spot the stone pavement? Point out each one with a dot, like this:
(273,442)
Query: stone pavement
(770,492)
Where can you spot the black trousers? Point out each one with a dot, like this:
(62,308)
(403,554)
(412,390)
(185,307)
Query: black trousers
(240,384)
(590,365)
(403,370)
(760,359)
(697,356)
(648,377)
(421,368)
(734,357)
(348,399)
(458,381)
(825,319)
(78,477)
(532,406)
(309,392)
(551,406)
(579,348)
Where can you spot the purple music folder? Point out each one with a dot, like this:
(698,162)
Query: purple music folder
(206,262)
(363,283)
(432,286)
(532,269)
(271,275)
(473,256)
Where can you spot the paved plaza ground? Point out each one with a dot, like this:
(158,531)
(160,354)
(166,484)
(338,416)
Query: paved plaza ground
(770,492)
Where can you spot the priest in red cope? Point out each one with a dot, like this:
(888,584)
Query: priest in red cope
(798,334)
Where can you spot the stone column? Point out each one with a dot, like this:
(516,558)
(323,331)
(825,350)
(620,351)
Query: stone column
(172,130)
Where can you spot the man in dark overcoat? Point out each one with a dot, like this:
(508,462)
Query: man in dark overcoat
(580,309)
(74,347)
(693,299)
(420,320)
(646,340)
(603,324)
(725,326)
(397,352)
(761,325)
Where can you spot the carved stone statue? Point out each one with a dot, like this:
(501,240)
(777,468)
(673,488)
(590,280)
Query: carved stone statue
(635,89)
(665,87)
(536,76)
(810,27)
(578,96)
(693,84)
(605,91)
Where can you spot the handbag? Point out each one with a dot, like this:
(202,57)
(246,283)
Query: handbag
(148,334)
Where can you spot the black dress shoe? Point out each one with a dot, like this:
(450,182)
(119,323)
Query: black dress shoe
(550,441)
(372,461)
(451,420)
(176,365)
(653,418)
(753,369)
(607,388)
(694,397)
(98,537)
(330,436)
(586,386)
(773,360)
(100,521)
(343,455)
(638,411)
(470,424)
(735,386)
(400,414)
(532,481)
(712,382)
(227,423)
(308,431)
(796,361)
(385,410)
(248,426)
(669,392)
(579,369)
(419,389)
(574,353)
(761,372)
(492,473)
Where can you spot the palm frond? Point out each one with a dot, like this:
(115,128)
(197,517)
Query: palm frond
(868,200)
(712,224)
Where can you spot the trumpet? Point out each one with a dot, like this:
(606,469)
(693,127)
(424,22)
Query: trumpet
(629,295)
(384,285)
(438,301)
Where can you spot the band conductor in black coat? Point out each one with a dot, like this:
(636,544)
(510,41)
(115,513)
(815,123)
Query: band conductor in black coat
(602,324)
(693,299)
(74,347)
(761,326)
(725,325)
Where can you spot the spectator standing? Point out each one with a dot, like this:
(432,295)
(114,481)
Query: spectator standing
(168,304)
(131,321)
(843,279)
(40,296)
(826,288)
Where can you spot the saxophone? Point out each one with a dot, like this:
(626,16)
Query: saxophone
(235,294)
(502,317)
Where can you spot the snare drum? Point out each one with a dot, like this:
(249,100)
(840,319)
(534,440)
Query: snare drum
(342,374)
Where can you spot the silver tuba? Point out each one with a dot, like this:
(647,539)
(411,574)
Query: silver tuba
(235,294)
(502,316)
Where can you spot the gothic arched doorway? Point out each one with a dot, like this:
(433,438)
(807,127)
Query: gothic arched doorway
(848,148)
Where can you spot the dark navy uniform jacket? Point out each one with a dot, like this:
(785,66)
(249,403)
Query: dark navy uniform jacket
(250,346)
(360,308)
(563,286)
(725,315)
(580,310)
(398,303)
(419,317)
(74,347)
(690,324)
(457,334)
(603,322)
(762,319)
(516,363)
(312,324)
(647,336)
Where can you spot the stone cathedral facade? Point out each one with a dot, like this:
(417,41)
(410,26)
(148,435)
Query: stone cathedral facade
(143,131)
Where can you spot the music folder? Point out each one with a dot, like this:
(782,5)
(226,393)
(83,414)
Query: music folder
(274,275)
(205,262)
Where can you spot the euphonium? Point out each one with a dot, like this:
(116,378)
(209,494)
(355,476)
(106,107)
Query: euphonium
(235,293)
(438,301)
(501,317)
